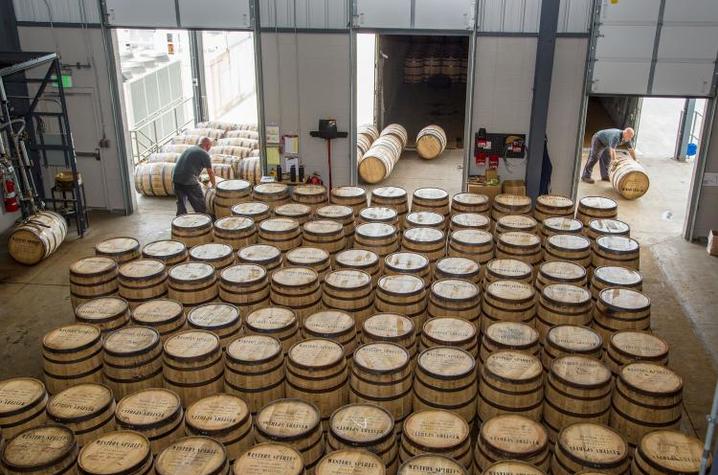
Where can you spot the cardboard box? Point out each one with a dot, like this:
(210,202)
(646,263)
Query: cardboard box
(514,187)
(712,247)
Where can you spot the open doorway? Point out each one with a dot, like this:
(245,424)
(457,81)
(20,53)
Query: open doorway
(667,143)
(415,81)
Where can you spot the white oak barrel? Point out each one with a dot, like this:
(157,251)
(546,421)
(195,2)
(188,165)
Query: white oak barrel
(170,149)
(382,374)
(313,257)
(403,294)
(193,454)
(22,405)
(469,221)
(250,169)
(245,286)
(627,347)
(220,318)
(408,263)
(334,325)
(621,309)
(563,340)
(71,354)
(446,379)
(269,458)
(429,242)
(297,211)
(473,244)
(192,229)
(231,162)
(511,437)
(616,251)
(549,206)
(325,234)
(283,233)
(363,143)
(586,445)
(577,389)
(340,214)
(508,301)
(256,210)
(230,193)
(225,418)
(217,255)
(297,288)
(519,245)
(360,259)
(455,298)
(449,332)
(88,409)
(378,162)
(235,231)
(132,360)
(560,225)
(355,461)
(378,214)
(278,322)
(391,328)
(317,371)
(154,179)
(192,365)
(273,194)
(352,196)
(293,422)
(396,130)
(369,130)
(614,276)
(142,280)
(116,453)
(506,269)
(350,291)
(50,449)
(165,315)
(457,268)
(515,222)
(106,313)
(365,426)
(511,382)
(560,272)
(155,413)
(425,219)
(391,197)
(647,397)
(607,227)
(121,249)
(470,203)
(269,257)
(92,277)
(510,204)
(514,467)
(380,238)
(563,304)
(168,251)
(509,336)
(314,196)
(192,283)
(432,464)
(431,199)
(568,247)
(436,431)
(666,452)
(629,178)
(430,142)
(254,370)
(595,207)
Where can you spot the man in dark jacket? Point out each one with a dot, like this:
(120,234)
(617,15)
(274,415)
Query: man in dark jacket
(186,176)
(603,150)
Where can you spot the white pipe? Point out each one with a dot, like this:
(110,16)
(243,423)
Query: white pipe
(710,431)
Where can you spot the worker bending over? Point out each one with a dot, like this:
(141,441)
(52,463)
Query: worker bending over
(186,176)
(603,150)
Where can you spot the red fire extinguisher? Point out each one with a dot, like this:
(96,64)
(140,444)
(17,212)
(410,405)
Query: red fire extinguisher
(10,196)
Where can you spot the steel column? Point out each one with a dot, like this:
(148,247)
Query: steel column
(545,50)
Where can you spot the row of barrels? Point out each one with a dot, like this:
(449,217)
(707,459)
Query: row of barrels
(376,162)
(425,64)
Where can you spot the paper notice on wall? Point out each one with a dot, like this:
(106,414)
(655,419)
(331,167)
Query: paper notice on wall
(272,132)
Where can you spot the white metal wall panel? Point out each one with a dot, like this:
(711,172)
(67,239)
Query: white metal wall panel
(276,13)
(509,16)
(682,79)
(444,14)
(377,14)
(574,16)
(57,11)
(142,13)
(309,14)
(215,14)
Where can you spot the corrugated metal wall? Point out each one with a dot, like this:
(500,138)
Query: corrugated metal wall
(305,14)
(60,11)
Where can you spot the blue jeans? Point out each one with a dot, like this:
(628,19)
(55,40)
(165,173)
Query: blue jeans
(599,153)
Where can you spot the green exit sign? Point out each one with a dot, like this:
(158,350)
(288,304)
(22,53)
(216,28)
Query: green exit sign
(65,79)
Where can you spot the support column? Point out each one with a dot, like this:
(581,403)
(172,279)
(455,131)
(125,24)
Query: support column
(541,93)
(684,130)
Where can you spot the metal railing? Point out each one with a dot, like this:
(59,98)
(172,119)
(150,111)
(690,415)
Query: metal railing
(149,135)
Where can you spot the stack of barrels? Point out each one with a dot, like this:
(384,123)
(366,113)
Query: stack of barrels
(315,354)
(377,163)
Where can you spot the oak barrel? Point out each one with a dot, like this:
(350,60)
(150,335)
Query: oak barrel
(297,288)
(192,229)
(621,309)
(192,283)
(88,409)
(568,247)
(220,318)
(616,251)
(313,257)
(264,255)
(457,268)
(226,419)
(549,206)
(340,214)
(216,254)
(106,313)
(269,458)
(354,461)
(360,259)
(586,445)
(333,325)
(470,203)
(436,431)
(403,294)
(510,204)
(519,245)
(432,464)
(595,207)
(564,340)
(560,272)
(511,437)
(155,413)
(391,328)
(429,242)
(563,304)
(455,298)
(469,221)
(450,332)
(297,211)
(627,347)
(22,405)
(506,269)
(50,449)
(430,142)
(168,251)
(280,323)
(314,196)
(165,315)
(229,193)
(431,199)
(378,214)
(515,222)
(614,276)
(246,286)
(509,336)
(607,227)
(37,237)
(273,194)
(255,210)
(668,452)
(629,178)
(282,233)
(71,354)
(560,225)
(408,263)
(154,179)
(324,234)
(132,360)
(116,453)
(391,197)
(510,382)
(235,231)
(473,244)
(380,238)
(142,280)
(195,455)
(121,249)
(92,277)
(350,291)
(352,196)
(508,301)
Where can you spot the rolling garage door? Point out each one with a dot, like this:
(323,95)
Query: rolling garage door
(224,14)
(655,48)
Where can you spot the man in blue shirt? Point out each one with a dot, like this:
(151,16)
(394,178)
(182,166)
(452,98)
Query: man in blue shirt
(603,150)
(185,176)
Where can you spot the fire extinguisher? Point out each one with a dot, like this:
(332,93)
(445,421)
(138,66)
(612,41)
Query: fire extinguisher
(10,196)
